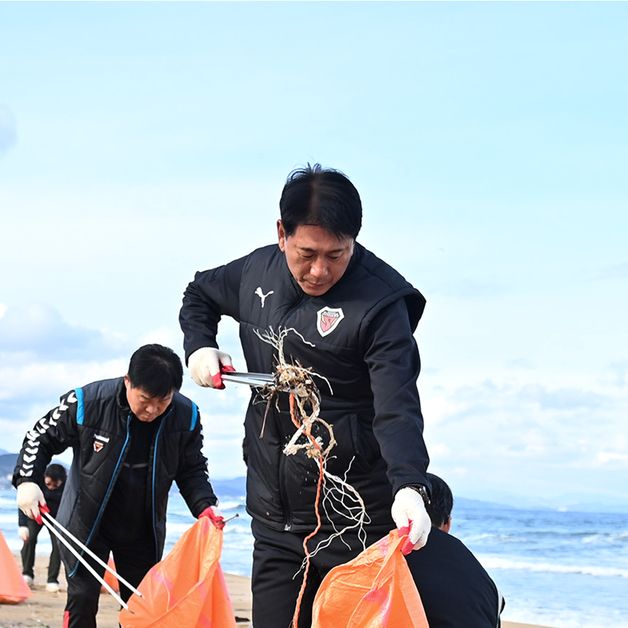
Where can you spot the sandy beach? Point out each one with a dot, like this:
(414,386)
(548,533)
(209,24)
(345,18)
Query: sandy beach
(45,610)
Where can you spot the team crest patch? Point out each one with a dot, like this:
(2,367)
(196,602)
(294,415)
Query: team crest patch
(99,442)
(327,319)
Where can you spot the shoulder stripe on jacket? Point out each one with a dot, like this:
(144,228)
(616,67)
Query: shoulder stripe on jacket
(80,409)
(194,418)
(31,448)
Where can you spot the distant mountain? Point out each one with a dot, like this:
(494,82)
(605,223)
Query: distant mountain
(478,504)
(230,486)
(236,487)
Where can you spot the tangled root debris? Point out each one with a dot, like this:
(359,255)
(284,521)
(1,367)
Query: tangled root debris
(334,494)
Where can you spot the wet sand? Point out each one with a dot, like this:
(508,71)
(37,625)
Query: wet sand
(45,610)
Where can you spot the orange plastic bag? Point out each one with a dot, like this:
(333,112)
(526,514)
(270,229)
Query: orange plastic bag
(187,588)
(13,589)
(374,590)
(111,580)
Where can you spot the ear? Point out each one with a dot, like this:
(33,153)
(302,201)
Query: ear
(127,382)
(447,525)
(281,236)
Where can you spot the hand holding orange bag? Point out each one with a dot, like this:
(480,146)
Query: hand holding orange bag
(187,588)
(374,590)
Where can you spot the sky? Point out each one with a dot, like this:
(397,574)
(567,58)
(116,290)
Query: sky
(141,142)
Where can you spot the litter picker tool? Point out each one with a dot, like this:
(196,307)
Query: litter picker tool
(48,520)
(256,380)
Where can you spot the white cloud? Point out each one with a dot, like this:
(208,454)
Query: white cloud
(44,356)
(606,457)
(562,399)
(492,437)
(39,331)
(35,380)
(515,435)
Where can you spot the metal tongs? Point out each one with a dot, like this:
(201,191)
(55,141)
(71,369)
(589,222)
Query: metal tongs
(48,520)
(256,380)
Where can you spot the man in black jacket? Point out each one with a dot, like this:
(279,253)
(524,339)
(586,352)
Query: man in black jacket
(454,587)
(353,319)
(54,479)
(131,437)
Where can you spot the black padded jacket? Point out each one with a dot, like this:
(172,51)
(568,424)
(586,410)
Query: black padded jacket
(95,421)
(359,336)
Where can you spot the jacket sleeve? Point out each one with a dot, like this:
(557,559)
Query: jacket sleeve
(192,476)
(213,293)
(51,435)
(392,357)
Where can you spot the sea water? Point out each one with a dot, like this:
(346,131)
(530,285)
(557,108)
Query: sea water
(559,569)
(554,568)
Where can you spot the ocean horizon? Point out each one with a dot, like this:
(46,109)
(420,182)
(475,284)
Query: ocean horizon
(555,568)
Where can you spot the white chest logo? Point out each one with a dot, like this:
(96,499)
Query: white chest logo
(327,319)
(99,442)
(261,295)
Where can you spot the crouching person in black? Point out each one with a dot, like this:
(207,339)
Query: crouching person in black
(131,437)
(455,589)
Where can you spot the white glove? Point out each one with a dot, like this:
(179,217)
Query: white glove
(408,509)
(205,366)
(29,499)
(23,533)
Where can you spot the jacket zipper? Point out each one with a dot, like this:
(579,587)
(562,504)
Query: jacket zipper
(154,474)
(114,477)
(283,495)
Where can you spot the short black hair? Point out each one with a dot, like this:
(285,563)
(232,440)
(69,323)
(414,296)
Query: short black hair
(56,472)
(323,197)
(156,369)
(441,501)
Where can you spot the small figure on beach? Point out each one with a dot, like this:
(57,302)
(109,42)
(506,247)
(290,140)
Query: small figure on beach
(55,476)
(354,317)
(131,436)
(455,589)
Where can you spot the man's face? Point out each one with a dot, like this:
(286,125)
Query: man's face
(317,259)
(143,405)
(52,485)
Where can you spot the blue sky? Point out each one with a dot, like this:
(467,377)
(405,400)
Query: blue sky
(489,141)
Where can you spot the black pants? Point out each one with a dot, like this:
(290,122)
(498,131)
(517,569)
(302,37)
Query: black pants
(28,553)
(277,557)
(132,562)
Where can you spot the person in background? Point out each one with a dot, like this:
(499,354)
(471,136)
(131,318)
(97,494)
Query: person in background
(54,478)
(131,436)
(454,587)
(354,318)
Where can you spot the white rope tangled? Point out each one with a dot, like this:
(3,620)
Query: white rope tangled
(337,496)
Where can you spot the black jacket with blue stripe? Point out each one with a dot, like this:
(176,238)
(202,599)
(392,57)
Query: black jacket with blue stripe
(359,336)
(95,421)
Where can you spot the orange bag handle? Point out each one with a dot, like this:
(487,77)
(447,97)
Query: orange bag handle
(393,547)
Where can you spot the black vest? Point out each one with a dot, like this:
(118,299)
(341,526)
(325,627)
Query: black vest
(100,447)
(281,489)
